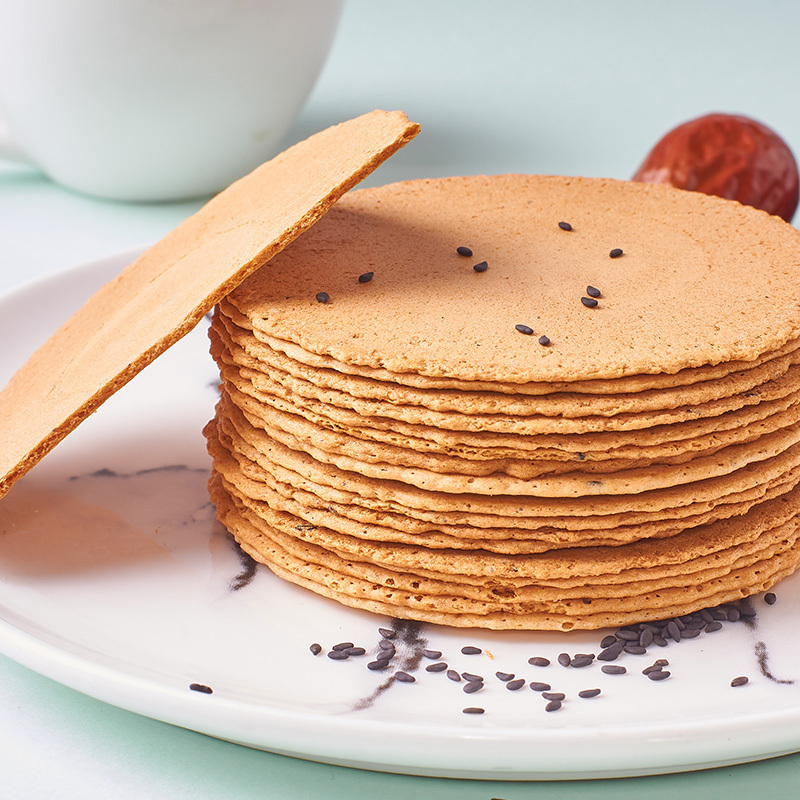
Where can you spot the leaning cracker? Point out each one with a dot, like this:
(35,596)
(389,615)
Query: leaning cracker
(162,295)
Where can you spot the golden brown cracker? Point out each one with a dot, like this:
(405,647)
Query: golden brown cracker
(164,293)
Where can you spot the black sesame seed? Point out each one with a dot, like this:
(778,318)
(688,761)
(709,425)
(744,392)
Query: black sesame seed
(512,686)
(404,677)
(690,633)
(470,650)
(564,659)
(505,676)
(589,302)
(343,646)
(554,695)
(316,648)
(385,644)
(538,661)
(463,251)
(607,641)
(376,666)
(770,598)
(540,687)
(646,637)
(651,668)
(593,291)
(589,693)
(734,615)
(628,636)
(740,681)
(474,710)
(387,633)
(439,666)
(659,675)
(613,669)
(323,297)
(201,687)
(338,655)
(544,341)
(611,653)
(565,226)
(673,630)
(432,654)
(635,650)
(553,705)
(648,626)
(659,641)
(473,686)
(661,662)
(366,277)
(471,676)
(453,675)
(581,661)
(524,329)
(355,651)
(616,252)
(481,267)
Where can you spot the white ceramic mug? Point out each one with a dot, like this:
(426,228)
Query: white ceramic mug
(156,99)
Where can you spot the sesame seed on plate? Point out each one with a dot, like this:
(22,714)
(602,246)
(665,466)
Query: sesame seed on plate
(539,661)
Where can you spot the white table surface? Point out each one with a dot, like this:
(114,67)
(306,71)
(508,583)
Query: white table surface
(574,87)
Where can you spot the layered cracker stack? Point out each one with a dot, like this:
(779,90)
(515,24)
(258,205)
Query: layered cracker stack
(486,447)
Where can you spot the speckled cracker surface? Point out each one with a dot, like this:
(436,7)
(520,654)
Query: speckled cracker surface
(701,280)
(164,293)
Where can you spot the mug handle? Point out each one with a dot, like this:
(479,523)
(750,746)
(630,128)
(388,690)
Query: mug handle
(10,151)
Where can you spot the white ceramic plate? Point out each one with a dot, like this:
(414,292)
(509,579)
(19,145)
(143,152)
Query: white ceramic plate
(116,580)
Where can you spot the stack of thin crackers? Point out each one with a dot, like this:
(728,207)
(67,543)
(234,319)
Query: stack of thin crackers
(517,402)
